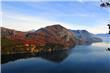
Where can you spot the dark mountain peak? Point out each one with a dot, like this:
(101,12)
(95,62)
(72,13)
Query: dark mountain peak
(84,30)
(55,34)
(51,27)
(57,26)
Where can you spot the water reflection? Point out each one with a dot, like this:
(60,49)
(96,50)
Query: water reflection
(80,59)
(54,56)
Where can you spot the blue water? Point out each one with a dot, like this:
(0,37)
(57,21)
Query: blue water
(92,58)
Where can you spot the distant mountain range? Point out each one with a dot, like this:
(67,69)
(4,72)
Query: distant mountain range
(105,37)
(85,37)
(55,37)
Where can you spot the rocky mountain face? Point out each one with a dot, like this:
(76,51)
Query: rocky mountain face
(10,39)
(85,37)
(12,34)
(55,34)
(48,39)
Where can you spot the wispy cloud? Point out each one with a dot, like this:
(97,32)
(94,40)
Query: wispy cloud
(72,15)
(26,23)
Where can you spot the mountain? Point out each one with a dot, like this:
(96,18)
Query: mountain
(55,37)
(55,34)
(12,34)
(85,37)
(105,37)
(11,40)
(50,38)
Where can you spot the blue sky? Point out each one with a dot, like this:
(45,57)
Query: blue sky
(27,15)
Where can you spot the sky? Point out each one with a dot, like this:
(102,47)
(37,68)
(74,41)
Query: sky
(72,14)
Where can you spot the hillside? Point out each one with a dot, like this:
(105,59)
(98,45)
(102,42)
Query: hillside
(85,37)
(50,38)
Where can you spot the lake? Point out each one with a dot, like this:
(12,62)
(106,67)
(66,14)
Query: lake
(92,58)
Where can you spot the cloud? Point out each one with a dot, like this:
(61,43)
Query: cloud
(26,23)
(16,17)
(59,10)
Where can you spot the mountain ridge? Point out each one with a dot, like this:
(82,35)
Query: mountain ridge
(54,37)
(85,37)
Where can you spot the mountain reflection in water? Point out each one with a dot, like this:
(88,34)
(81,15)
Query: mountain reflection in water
(54,56)
(92,58)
